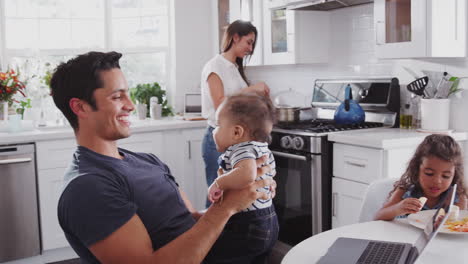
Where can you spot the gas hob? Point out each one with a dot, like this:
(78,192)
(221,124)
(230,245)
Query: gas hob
(318,127)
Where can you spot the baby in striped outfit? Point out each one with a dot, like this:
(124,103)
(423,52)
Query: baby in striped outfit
(243,125)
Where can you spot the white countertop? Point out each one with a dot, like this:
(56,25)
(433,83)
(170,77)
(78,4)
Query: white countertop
(386,138)
(50,133)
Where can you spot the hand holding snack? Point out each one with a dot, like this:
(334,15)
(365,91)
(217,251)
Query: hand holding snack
(409,206)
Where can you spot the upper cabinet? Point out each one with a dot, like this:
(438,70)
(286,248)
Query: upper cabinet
(294,37)
(420,28)
(250,10)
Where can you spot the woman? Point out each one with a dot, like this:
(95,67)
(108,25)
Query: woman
(222,76)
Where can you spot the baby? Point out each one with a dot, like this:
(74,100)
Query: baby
(243,125)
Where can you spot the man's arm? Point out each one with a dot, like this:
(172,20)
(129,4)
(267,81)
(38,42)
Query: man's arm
(132,244)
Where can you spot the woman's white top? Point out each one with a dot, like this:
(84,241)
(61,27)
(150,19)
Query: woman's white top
(229,75)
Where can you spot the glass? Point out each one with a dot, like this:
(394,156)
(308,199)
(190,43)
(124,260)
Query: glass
(279,35)
(398,21)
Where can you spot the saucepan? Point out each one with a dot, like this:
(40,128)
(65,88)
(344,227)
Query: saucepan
(288,105)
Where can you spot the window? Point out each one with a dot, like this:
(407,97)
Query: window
(37,35)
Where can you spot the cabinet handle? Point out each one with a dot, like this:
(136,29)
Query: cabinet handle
(11,161)
(360,165)
(334,204)
(189,150)
(378,38)
(456,19)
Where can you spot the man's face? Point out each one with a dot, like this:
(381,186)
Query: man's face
(110,120)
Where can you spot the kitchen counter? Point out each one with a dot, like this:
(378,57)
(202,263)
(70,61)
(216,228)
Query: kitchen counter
(385,138)
(48,133)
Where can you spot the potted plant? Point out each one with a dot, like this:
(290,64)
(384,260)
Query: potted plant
(142,93)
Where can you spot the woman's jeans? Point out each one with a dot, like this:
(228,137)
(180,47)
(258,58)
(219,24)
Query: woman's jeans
(210,156)
(248,237)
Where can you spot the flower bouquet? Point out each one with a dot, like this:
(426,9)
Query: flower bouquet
(10,85)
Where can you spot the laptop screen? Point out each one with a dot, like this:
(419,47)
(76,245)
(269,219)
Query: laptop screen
(438,219)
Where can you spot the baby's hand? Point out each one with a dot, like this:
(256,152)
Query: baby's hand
(409,206)
(214,193)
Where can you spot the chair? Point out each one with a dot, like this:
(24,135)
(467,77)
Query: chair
(375,197)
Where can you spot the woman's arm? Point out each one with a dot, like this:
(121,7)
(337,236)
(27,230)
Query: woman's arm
(396,206)
(260,88)
(216,87)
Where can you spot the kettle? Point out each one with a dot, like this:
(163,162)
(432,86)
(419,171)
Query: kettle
(349,111)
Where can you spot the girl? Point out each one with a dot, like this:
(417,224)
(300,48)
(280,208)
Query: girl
(244,123)
(436,165)
(222,76)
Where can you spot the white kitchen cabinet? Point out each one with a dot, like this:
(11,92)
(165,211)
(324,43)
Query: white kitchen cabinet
(182,153)
(347,199)
(294,37)
(195,180)
(53,157)
(250,10)
(420,28)
(354,168)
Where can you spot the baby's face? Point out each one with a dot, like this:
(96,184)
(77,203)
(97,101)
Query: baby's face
(223,134)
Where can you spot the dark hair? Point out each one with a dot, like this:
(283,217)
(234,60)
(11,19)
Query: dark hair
(252,111)
(78,78)
(241,28)
(442,147)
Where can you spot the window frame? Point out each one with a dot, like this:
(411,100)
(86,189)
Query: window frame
(6,53)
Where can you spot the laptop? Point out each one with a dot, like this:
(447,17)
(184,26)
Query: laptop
(356,251)
(192,107)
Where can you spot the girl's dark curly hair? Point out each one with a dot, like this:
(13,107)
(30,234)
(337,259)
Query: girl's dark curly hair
(442,147)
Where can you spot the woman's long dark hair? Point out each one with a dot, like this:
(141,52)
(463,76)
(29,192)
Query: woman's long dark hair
(442,147)
(241,28)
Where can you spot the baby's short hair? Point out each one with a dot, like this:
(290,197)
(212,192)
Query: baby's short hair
(252,111)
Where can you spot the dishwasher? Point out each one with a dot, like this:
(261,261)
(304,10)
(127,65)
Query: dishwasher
(19,219)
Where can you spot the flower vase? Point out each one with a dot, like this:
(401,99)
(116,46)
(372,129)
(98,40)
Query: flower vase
(3,110)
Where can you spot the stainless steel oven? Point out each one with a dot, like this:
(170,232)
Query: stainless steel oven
(303,194)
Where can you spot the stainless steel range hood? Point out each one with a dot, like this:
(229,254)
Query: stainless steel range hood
(323,5)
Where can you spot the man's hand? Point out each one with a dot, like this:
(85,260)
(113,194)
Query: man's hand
(237,200)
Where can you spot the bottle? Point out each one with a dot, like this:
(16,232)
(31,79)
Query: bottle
(406,117)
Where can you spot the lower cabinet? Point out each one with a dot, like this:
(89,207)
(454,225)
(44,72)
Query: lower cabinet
(53,158)
(179,149)
(354,168)
(347,198)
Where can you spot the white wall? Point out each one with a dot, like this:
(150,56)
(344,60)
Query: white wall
(352,49)
(193,40)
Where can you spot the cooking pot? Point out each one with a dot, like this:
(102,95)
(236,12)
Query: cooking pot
(288,105)
(287,113)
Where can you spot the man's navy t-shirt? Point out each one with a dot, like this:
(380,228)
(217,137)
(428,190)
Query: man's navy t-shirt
(102,193)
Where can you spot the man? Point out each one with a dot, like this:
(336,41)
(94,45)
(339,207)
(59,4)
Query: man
(123,207)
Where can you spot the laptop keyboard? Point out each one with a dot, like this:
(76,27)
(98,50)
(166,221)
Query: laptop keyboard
(381,252)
